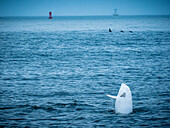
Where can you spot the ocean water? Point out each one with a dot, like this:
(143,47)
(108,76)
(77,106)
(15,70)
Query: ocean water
(57,73)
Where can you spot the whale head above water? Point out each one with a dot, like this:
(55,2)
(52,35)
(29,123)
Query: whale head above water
(123,102)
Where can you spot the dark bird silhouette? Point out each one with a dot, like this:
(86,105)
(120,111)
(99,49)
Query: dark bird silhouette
(110,30)
(121,31)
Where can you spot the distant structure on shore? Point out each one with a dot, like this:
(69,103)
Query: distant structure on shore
(115,12)
(50,15)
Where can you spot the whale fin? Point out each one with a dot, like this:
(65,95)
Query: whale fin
(112,96)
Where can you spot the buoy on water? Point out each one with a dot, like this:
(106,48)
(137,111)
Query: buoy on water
(50,15)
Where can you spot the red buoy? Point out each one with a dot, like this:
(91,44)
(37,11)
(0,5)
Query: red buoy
(50,17)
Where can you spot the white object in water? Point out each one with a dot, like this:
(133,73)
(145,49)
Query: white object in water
(123,102)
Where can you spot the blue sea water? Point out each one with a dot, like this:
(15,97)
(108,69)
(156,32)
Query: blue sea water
(57,73)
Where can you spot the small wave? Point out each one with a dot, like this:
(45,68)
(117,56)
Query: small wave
(80,118)
(9,78)
(27,79)
(14,107)
(4,108)
(93,93)
(16,119)
(48,108)
(141,109)
(33,107)
(50,94)
(164,94)
(66,104)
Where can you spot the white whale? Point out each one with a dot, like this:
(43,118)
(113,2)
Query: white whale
(123,102)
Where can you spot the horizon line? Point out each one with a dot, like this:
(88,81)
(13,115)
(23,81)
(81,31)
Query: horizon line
(90,15)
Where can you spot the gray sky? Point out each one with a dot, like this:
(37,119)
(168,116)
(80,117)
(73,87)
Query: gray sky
(83,7)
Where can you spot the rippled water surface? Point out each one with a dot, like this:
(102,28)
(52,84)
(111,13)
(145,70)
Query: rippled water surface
(58,72)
